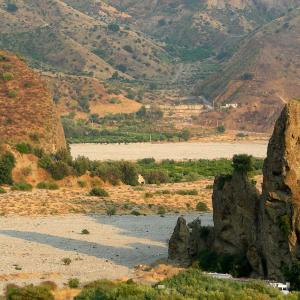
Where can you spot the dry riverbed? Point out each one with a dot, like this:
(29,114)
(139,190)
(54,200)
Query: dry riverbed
(33,249)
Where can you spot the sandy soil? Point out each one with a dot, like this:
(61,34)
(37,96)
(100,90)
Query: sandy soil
(124,198)
(32,249)
(177,151)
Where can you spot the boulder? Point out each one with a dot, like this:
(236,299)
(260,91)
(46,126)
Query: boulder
(179,242)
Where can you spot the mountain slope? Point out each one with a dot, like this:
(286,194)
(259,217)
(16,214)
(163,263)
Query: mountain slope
(65,39)
(261,77)
(27,111)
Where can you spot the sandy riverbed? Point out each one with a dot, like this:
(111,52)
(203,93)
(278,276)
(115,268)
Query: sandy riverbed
(32,249)
(177,151)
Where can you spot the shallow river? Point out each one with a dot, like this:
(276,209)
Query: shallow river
(177,151)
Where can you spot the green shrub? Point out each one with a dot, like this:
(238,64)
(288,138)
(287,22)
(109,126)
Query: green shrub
(113,27)
(247,76)
(221,129)
(193,192)
(201,206)
(21,186)
(111,211)
(98,192)
(129,174)
(242,163)
(7,76)
(81,165)
(29,292)
(11,7)
(24,148)
(82,183)
(161,210)
(47,186)
(156,176)
(73,283)
(85,231)
(2,190)
(236,265)
(45,162)
(7,163)
(59,170)
(135,213)
(66,261)
(38,152)
(12,93)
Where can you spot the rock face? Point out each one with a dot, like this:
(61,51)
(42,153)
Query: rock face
(263,228)
(280,220)
(27,111)
(179,242)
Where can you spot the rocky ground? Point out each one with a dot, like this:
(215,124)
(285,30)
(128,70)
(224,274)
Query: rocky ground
(35,249)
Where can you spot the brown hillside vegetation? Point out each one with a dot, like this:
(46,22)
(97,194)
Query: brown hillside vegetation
(27,111)
(260,78)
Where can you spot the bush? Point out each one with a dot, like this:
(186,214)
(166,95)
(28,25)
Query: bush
(201,206)
(135,213)
(247,76)
(59,170)
(24,148)
(7,76)
(237,266)
(73,283)
(284,224)
(45,162)
(12,94)
(21,186)
(161,210)
(111,211)
(156,176)
(85,231)
(128,48)
(221,129)
(81,165)
(242,163)
(2,190)
(29,292)
(193,192)
(129,174)
(113,27)
(98,192)
(11,7)
(66,261)
(7,163)
(47,186)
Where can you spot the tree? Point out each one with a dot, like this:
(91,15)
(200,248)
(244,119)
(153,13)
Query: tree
(242,163)
(113,27)
(11,7)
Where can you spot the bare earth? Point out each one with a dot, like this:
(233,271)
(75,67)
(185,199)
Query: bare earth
(176,151)
(32,249)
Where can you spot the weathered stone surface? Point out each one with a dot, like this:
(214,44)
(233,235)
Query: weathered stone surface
(179,241)
(263,228)
(235,204)
(281,194)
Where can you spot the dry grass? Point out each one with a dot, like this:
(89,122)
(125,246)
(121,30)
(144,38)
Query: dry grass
(124,198)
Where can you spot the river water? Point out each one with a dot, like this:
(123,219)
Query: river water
(176,151)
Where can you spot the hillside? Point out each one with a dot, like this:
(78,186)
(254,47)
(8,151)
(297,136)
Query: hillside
(64,39)
(262,76)
(26,106)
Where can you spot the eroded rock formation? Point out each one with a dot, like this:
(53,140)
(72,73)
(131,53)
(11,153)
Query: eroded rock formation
(264,228)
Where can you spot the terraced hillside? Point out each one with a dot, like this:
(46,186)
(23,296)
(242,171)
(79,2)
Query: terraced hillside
(27,111)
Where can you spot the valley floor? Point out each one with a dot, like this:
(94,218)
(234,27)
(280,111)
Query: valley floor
(33,249)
